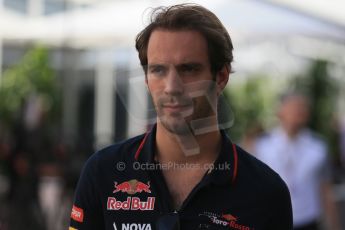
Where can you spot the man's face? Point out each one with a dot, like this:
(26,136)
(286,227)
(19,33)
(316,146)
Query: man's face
(179,79)
(294,113)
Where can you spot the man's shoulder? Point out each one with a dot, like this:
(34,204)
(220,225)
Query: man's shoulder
(266,142)
(313,137)
(273,135)
(257,173)
(253,165)
(270,191)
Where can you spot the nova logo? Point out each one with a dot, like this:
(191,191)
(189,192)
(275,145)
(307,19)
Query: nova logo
(136,227)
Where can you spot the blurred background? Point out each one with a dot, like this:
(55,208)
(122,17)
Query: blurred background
(70,83)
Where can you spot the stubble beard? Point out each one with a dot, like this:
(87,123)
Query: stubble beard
(175,123)
(180,123)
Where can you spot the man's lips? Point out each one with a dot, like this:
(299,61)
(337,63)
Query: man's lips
(176,107)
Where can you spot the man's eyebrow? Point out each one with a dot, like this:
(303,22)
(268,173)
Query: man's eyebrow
(190,64)
(153,65)
(195,66)
(181,65)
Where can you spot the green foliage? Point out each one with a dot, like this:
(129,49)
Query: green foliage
(323,92)
(252,102)
(31,76)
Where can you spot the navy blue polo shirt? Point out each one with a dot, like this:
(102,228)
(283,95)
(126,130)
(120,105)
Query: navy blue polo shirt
(122,187)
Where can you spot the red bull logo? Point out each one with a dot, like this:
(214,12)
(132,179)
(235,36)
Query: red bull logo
(132,187)
(132,203)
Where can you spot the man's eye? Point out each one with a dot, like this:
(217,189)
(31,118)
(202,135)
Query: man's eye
(159,70)
(189,69)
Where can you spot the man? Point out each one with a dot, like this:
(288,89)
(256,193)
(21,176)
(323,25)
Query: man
(184,173)
(300,158)
(342,143)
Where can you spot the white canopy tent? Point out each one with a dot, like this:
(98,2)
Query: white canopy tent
(117,23)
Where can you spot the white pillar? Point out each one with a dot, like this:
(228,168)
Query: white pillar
(35,8)
(1,59)
(1,43)
(104,99)
(137,104)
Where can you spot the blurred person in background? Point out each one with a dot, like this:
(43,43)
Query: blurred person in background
(300,157)
(23,199)
(36,175)
(342,143)
(5,152)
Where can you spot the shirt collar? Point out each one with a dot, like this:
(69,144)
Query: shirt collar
(280,134)
(225,166)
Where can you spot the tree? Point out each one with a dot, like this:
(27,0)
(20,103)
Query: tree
(32,76)
(252,103)
(323,91)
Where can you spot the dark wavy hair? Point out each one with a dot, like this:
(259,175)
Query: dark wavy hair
(190,17)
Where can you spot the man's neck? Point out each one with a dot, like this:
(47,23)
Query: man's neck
(170,146)
(291,133)
(181,179)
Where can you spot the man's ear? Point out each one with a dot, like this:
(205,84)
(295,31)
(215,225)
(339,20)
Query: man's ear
(222,78)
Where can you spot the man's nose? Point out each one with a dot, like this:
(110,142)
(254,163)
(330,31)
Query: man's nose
(173,83)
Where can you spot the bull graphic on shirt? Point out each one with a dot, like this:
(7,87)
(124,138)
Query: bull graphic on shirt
(132,187)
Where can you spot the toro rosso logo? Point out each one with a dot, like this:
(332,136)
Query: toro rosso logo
(228,220)
(229,217)
(132,187)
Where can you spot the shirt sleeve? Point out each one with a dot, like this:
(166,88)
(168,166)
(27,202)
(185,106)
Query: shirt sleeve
(282,218)
(87,211)
(325,169)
